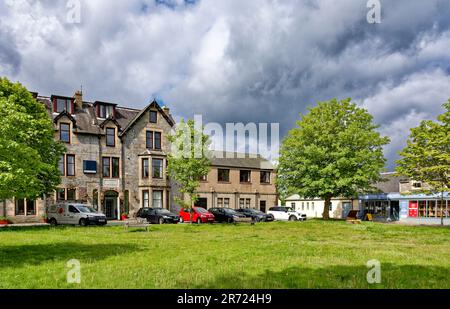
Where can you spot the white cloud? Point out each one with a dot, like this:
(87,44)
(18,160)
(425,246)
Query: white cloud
(240,61)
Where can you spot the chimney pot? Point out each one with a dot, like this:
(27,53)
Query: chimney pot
(78,96)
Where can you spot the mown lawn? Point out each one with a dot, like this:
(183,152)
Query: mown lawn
(314,254)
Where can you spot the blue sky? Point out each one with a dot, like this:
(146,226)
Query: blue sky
(237,61)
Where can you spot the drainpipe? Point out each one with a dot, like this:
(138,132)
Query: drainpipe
(100,170)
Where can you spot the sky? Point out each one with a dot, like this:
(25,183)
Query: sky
(262,61)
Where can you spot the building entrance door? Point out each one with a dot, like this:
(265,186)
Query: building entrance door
(202,202)
(111,205)
(262,206)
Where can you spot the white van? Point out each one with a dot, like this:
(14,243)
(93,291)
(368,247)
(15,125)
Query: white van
(73,213)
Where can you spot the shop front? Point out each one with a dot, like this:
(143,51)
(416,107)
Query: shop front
(395,206)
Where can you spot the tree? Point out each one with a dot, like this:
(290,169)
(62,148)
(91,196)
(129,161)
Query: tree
(426,157)
(189,160)
(334,151)
(29,154)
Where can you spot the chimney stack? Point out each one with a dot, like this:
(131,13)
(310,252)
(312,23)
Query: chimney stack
(166,110)
(78,96)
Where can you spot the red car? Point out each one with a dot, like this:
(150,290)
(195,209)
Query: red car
(199,215)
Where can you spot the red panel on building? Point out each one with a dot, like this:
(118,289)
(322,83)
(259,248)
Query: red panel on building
(413,209)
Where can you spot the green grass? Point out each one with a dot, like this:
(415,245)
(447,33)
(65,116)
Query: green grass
(314,254)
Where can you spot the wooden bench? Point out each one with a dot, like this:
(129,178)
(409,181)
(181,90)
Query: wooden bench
(137,224)
(244,220)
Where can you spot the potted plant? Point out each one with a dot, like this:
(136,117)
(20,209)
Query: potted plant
(124,216)
(3,220)
(44,218)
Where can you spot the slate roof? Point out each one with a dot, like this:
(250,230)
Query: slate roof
(391,183)
(143,111)
(240,160)
(88,123)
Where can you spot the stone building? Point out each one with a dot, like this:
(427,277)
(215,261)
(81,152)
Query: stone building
(115,158)
(238,181)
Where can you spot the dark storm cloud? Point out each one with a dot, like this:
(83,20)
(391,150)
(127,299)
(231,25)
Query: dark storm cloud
(242,61)
(10,58)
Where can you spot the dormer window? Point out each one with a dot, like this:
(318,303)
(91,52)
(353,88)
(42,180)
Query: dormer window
(417,184)
(105,109)
(61,104)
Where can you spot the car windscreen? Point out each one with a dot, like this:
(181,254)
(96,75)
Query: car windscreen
(202,210)
(230,211)
(163,211)
(251,210)
(86,209)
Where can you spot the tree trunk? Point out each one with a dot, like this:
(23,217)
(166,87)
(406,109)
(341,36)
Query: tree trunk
(326,208)
(191,210)
(4,208)
(442,208)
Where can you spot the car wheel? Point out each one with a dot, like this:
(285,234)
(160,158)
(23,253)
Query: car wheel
(161,221)
(230,220)
(83,222)
(199,221)
(53,222)
(292,218)
(181,220)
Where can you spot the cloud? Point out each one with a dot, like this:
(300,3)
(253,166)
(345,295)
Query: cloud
(236,61)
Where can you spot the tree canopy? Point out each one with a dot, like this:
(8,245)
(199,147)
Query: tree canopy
(29,154)
(426,157)
(189,159)
(334,151)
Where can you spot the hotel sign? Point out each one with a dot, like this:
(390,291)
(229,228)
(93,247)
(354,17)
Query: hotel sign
(111,183)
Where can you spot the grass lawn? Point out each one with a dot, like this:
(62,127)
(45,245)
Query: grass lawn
(314,254)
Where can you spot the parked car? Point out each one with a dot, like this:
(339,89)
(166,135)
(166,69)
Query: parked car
(157,215)
(256,215)
(199,215)
(282,213)
(73,213)
(228,215)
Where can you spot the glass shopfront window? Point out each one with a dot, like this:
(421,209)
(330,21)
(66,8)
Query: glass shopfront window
(377,208)
(432,208)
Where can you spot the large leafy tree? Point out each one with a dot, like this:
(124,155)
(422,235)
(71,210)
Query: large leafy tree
(29,153)
(335,150)
(426,157)
(189,160)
